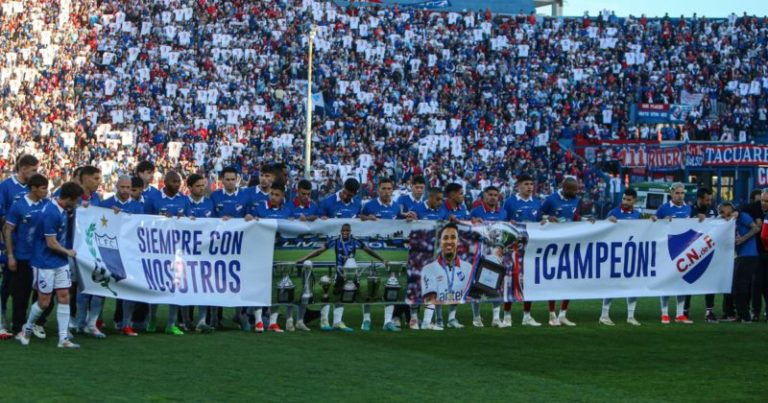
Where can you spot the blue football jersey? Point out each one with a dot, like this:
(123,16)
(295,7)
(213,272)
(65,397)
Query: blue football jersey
(378,209)
(11,190)
(333,207)
(53,222)
(563,209)
(669,209)
(202,208)
(235,205)
(522,210)
(25,216)
(424,212)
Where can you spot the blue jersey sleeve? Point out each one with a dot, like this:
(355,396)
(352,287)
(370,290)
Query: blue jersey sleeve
(50,221)
(14,215)
(548,206)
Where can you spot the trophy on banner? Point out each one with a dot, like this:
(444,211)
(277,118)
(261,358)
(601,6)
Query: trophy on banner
(307,296)
(349,292)
(325,284)
(373,282)
(285,288)
(392,288)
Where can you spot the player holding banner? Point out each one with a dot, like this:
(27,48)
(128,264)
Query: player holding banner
(675,208)
(489,211)
(199,207)
(382,207)
(562,206)
(625,211)
(520,208)
(51,264)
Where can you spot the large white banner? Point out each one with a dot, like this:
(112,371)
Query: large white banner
(637,258)
(175,260)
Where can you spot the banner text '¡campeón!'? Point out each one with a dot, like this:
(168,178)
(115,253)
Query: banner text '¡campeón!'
(167,242)
(587,260)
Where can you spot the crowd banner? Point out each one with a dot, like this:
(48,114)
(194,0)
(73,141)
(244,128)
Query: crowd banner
(637,258)
(174,260)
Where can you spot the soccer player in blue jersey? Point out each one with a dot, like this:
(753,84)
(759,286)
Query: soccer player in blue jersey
(408,201)
(146,171)
(169,203)
(275,207)
(11,190)
(342,204)
(675,208)
(625,211)
(231,201)
(345,246)
(50,263)
(454,205)
(703,209)
(489,210)
(260,193)
(562,206)
(21,222)
(235,202)
(431,209)
(122,202)
(303,208)
(199,207)
(382,207)
(747,258)
(522,207)
(89,306)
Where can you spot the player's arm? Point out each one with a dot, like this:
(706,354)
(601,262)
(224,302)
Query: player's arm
(312,254)
(7,230)
(753,230)
(53,244)
(372,253)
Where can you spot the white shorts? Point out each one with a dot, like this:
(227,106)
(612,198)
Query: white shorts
(45,281)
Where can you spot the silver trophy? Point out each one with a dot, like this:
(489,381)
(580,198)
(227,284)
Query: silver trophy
(285,288)
(325,284)
(307,296)
(373,282)
(349,292)
(392,288)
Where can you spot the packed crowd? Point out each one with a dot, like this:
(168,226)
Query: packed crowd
(467,97)
(38,236)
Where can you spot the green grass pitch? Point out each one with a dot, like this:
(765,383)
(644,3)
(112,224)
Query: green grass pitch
(704,362)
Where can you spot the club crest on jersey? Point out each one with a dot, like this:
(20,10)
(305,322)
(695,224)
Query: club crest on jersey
(691,252)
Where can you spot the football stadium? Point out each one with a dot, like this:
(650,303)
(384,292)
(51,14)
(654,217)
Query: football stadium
(347,200)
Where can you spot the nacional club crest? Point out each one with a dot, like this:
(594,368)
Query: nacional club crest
(108,265)
(691,252)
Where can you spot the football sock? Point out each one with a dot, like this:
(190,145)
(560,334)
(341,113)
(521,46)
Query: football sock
(429,310)
(606,307)
(475,310)
(564,304)
(507,306)
(34,313)
(173,311)
(631,305)
(366,312)
(289,312)
(563,312)
(324,313)
(62,317)
(664,306)
(82,308)
(415,312)
(302,312)
(273,318)
(338,312)
(94,310)
(527,306)
(388,311)
(438,313)
(551,306)
(202,313)
(452,312)
(128,308)
(680,305)
(496,311)
(258,315)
